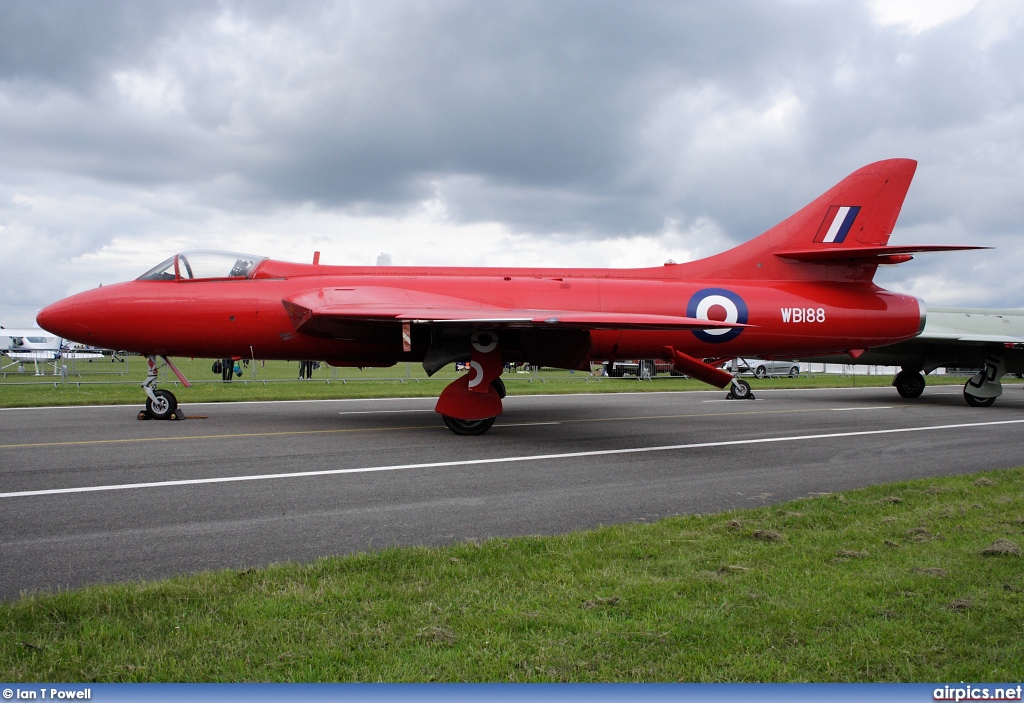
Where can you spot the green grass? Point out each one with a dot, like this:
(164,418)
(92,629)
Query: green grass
(888,583)
(104,383)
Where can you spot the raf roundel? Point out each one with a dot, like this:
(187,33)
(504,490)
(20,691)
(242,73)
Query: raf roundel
(708,300)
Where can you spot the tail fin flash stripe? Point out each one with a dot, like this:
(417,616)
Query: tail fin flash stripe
(837,223)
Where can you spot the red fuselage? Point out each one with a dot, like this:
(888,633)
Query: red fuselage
(245,317)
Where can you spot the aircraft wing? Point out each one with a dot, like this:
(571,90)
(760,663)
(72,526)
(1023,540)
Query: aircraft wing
(972,326)
(81,354)
(32,355)
(969,338)
(566,319)
(960,337)
(314,311)
(25,332)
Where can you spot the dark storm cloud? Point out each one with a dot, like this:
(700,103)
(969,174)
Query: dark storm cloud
(520,97)
(73,44)
(534,101)
(537,101)
(699,123)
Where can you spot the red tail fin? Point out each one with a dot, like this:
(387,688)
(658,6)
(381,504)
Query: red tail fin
(840,236)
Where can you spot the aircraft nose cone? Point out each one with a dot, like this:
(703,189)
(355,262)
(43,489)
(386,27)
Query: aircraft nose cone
(59,318)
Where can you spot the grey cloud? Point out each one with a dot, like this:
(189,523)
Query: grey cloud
(382,97)
(73,44)
(579,120)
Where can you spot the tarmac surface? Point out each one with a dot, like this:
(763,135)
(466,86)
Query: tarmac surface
(92,495)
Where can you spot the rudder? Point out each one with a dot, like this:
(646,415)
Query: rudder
(877,191)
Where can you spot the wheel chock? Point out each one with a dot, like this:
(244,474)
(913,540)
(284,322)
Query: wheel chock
(144,415)
(177,414)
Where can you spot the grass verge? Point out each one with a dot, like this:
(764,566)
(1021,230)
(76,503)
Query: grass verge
(109,384)
(914,581)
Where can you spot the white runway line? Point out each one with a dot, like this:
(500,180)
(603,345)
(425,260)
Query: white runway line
(503,460)
(384,412)
(866,407)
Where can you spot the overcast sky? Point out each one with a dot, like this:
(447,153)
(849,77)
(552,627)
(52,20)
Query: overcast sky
(498,133)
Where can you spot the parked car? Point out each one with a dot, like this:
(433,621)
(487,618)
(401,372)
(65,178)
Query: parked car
(641,368)
(762,368)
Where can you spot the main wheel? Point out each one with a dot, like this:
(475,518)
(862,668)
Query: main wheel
(468,427)
(976,402)
(909,384)
(164,405)
(760,372)
(499,386)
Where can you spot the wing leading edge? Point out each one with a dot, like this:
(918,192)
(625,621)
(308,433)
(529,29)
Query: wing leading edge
(375,304)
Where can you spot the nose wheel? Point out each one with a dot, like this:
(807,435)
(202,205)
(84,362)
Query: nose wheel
(740,390)
(160,404)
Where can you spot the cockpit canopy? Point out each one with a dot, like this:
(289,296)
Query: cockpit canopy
(204,264)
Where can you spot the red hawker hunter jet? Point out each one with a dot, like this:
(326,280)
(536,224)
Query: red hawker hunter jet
(802,288)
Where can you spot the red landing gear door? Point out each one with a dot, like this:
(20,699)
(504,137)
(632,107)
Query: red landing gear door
(686,364)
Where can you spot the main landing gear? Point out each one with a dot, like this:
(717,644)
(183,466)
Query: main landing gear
(468,427)
(982,389)
(470,404)
(161,404)
(909,383)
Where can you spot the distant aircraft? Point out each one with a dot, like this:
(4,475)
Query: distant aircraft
(29,344)
(802,287)
(39,346)
(991,340)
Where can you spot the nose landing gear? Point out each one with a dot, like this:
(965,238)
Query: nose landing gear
(161,404)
